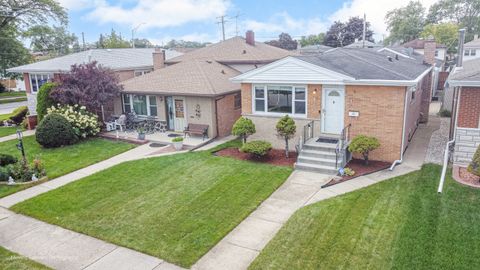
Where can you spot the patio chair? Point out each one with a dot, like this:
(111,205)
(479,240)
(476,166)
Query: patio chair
(121,122)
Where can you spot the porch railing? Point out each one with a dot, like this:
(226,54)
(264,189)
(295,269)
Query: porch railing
(308,132)
(340,150)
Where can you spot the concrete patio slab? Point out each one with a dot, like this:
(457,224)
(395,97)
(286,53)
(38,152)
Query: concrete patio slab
(125,259)
(226,256)
(275,210)
(253,233)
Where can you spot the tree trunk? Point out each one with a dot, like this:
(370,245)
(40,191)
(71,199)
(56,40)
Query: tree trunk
(244,139)
(365,157)
(286,147)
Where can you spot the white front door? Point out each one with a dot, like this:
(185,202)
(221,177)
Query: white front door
(333,109)
(180,114)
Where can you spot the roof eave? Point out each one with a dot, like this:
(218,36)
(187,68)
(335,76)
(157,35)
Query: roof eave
(463,83)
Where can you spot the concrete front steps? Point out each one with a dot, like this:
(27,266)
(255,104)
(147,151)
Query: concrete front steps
(317,157)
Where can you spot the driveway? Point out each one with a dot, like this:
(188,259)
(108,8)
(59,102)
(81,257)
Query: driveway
(9,107)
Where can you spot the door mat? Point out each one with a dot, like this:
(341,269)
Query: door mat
(155,145)
(173,135)
(327,140)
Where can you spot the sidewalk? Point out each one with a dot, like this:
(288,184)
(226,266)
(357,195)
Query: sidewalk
(241,246)
(14,136)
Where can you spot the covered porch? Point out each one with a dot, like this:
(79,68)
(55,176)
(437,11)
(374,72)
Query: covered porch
(157,137)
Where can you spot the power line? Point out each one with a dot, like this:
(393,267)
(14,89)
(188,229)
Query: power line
(222,22)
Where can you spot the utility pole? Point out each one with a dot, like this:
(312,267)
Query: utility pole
(222,21)
(83,40)
(364,29)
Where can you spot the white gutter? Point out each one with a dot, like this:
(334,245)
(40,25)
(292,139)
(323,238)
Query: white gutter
(398,161)
(449,143)
(464,83)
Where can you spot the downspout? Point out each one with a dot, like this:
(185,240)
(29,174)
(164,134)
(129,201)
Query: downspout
(452,141)
(216,114)
(398,161)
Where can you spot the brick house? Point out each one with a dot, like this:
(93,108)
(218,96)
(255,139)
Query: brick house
(464,82)
(337,95)
(126,63)
(195,88)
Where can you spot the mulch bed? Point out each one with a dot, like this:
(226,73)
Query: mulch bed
(462,175)
(274,157)
(360,169)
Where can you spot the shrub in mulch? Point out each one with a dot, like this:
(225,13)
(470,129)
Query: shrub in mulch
(360,169)
(273,157)
(465,177)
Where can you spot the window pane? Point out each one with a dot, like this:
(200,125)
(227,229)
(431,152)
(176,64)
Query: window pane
(300,107)
(280,101)
(126,104)
(299,93)
(33,81)
(140,104)
(259,92)
(473,52)
(259,105)
(152,100)
(153,110)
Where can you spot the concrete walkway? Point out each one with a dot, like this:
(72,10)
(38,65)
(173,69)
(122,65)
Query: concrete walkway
(14,136)
(240,247)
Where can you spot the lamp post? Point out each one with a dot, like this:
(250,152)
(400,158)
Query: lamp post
(20,145)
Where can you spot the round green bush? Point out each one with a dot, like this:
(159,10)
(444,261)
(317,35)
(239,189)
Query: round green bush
(2,88)
(6,159)
(257,148)
(44,101)
(5,173)
(55,131)
(363,145)
(243,127)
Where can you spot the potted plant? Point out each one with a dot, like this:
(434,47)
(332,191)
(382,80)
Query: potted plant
(177,143)
(141,133)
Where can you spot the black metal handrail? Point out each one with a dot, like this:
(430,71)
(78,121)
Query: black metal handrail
(341,144)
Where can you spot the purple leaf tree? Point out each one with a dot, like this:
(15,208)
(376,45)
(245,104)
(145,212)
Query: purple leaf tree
(88,85)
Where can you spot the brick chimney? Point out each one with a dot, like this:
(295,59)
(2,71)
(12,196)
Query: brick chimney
(250,37)
(429,48)
(158,59)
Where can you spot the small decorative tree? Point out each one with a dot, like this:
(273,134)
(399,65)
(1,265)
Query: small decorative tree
(474,166)
(44,101)
(363,145)
(257,148)
(243,127)
(286,129)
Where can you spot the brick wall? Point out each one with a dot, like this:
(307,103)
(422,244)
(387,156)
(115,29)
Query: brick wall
(314,100)
(26,79)
(426,85)
(246,89)
(227,114)
(466,143)
(124,75)
(380,115)
(469,110)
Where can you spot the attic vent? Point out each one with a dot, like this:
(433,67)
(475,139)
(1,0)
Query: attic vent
(244,52)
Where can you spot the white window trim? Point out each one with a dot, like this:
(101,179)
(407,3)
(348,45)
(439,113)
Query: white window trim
(49,76)
(280,114)
(130,101)
(143,71)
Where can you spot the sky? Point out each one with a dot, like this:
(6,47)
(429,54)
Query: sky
(196,20)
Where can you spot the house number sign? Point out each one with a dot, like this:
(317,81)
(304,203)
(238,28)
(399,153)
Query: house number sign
(353,114)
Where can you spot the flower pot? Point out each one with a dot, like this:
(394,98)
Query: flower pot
(141,136)
(178,145)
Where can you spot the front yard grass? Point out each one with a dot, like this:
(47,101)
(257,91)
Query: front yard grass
(5,131)
(401,223)
(174,207)
(12,94)
(60,161)
(13,100)
(13,261)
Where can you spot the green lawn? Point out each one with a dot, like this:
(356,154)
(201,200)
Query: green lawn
(174,207)
(13,261)
(4,117)
(5,131)
(12,100)
(12,94)
(60,161)
(401,223)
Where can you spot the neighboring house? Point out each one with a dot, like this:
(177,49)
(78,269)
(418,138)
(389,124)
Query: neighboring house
(464,82)
(313,49)
(195,88)
(126,63)
(418,46)
(472,49)
(337,95)
(361,44)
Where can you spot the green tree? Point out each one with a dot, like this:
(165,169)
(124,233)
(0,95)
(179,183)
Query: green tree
(44,101)
(474,166)
(286,129)
(363,145)
(184,44)
(112,41)
(342,34)
(312,40)
(12,51)
(444,33)
(465,13)
(243,127)
(25,13)
(405,23)
(284,41)
(55,40)
(142,43)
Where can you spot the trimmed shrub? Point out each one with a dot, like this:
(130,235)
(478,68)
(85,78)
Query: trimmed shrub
(363,145)
(19,114)
(43,99)
(2,88)
(286,129)
(177,139)
(55,131)
(5,172)
(243,127)
(6,159)
(474,166)
(257,148)
(84,123)
(445,113)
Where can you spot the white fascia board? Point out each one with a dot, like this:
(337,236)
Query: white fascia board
(287,81)
(464,83)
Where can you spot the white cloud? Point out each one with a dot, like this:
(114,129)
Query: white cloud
(199,37)
(375,11)
(76,4)
(283,22)
(159,13)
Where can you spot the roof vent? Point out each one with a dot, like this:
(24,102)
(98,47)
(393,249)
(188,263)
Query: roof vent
(390,58)
(396,57)
(244,52)
(223,71)
(208,61)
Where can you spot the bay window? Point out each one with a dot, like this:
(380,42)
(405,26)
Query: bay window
(142,105)
(280,99)
(39,79)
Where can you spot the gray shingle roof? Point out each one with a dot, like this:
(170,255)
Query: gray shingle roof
(470,72)
(473,44)
(368,64)
(116,59)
